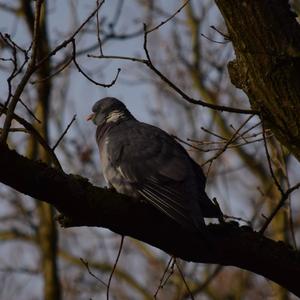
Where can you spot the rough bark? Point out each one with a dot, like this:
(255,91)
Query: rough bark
(266,39)
(87,205)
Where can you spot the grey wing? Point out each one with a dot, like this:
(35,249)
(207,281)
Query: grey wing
(158,169)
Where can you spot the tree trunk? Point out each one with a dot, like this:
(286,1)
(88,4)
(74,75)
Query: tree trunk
(266,39)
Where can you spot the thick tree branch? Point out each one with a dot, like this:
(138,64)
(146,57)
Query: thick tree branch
(266,39)
(87,205)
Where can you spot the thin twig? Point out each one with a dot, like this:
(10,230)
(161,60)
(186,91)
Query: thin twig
(98,31)
(64,133)
(15,70)
(244,138)
(214,41)
(150,65)
(251,128)
(109,36)
(36,135)
(114,267)
(240,135)
(33,66)
(182,93)
(213,133)
(54,73)
(206,283)
(270,162)
(86,264)
(186,143)
(71,38)
(184,281)
(231,140)
(225,36)
(169,18)
(284,197)
(28,73)
(7,37)
(134,59)
(29,111)
(238,145)
(106,85)
(164,279)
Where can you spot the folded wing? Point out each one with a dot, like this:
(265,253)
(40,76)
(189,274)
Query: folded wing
(157,168)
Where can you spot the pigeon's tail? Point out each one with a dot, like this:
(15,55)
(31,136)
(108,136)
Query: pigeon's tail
(210,209)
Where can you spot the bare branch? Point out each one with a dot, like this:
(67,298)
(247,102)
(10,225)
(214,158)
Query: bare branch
(114,267)
(206,283)
(28,73)
(176,88)
(71,38)
(87,205)
(233,137)
(106,85)
(86,264)
(29,111)
(64,133)
(270,162)
(168,19)
(33,65)
(166,276)
(98,31)
(214,41)
(184,281)
(59,70)
(280,204)
(182,93)
(36,135)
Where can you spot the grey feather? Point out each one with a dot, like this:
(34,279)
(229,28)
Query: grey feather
(141,160)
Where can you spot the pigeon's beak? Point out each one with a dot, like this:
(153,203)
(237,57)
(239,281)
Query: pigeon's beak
(90,117)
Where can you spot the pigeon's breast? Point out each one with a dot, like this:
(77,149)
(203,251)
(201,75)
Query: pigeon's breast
(112,173)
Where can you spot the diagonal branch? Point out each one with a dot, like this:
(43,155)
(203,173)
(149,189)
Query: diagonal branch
(172,85)
(87,205)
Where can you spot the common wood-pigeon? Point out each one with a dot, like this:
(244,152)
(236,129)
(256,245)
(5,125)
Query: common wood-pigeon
(145,162)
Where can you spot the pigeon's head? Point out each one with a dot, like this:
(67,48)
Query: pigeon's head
(107,110)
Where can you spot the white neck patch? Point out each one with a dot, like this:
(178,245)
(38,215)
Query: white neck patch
(115,115)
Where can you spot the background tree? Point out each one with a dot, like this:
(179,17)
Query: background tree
(58,57)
